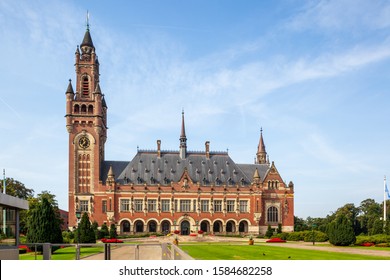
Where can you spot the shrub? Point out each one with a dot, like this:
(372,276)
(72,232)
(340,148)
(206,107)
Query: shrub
(319,236)
(340,232)
(270,232)
(375,239)
(296,236)
(283,235)
(382,245)
(113,233)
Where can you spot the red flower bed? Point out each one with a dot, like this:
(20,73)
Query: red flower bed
(200,231)
(276,240)
(176,232)
(193,234)
(111,240)
(367,244)
(25,248)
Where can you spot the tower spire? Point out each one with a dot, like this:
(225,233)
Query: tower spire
(261,152)
(183,138)
(87,20)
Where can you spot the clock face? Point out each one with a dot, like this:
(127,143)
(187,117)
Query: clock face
(84,142)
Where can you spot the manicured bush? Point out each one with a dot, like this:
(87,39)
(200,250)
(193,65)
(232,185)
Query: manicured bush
(374,239)
(296,236)
(319,236)
(283,235)
(340,232)
(113,233)
(85,232)
(270,232)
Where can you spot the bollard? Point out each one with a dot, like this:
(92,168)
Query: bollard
(46,251)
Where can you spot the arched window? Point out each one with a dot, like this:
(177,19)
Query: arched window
(272,214)
(90,109)
(76,108)
(85,85)
(83,108)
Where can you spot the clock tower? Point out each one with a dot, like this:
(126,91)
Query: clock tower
(86,123)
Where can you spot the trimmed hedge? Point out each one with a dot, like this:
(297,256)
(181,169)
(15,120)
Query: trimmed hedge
(375,239)
(306,236)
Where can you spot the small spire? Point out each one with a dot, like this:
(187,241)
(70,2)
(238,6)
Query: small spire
(183,130)
(256,176)
(183,138)
(97,89)
(261,152)
(70,88)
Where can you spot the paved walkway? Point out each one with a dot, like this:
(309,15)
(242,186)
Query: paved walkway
(128,252)
(151,247)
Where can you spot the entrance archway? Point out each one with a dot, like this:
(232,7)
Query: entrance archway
(165,227)
(139,226)
(230,227)
(185,228)
(217,227)
(125,226)
(243,227)
(152,227)
(205,226)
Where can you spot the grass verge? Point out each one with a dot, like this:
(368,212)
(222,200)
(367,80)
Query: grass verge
(264,252)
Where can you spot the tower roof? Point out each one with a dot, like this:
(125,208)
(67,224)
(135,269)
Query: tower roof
(87,41)
(70,88)
(261,146)
(183,129)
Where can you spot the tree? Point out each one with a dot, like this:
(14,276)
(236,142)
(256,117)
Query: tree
(43,224)
(34,202)
(113,233)
(17,189)
(370,213)
(85,232)
(341,232)
(351,213)
(103,232)
(269,232)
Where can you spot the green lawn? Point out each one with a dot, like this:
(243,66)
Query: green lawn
(210,251)
(67,253)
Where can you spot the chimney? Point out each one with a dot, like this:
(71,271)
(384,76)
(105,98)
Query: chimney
(207,144)
(158,148)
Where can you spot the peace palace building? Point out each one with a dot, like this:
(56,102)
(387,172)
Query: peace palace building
(162,191)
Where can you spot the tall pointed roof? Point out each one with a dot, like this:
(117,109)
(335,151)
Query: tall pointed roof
(261,154)
(70,88)
(87,41)
(183,138)
(261,146)
(183,129)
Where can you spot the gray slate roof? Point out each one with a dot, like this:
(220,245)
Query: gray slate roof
(147,167)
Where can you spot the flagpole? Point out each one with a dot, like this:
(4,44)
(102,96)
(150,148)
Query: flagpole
(384,201)
(4,213)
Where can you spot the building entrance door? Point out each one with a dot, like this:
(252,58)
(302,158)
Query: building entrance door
(185,228)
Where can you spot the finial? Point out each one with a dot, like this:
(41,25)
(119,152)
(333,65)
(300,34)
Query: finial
(261,130)
(87,20)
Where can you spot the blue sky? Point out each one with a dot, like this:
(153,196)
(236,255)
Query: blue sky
(315,75)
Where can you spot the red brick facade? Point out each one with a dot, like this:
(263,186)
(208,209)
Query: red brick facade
(164,191)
